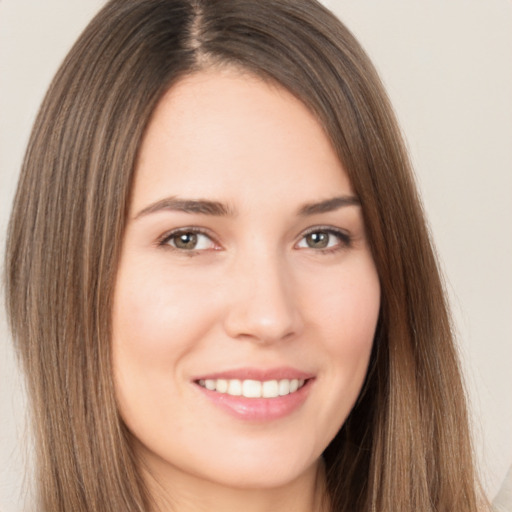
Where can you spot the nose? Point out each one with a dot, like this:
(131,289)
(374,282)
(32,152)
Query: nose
(263,305)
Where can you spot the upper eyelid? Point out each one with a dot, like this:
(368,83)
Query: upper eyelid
(162,239)
(329,229)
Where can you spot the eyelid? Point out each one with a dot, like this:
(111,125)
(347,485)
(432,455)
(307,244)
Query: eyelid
(344,237)
(163,240)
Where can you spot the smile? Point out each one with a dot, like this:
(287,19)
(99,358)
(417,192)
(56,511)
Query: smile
(253,388)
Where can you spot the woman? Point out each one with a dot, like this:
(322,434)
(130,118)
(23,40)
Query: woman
(219,277)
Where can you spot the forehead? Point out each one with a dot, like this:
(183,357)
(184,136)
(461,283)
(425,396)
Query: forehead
(220,133)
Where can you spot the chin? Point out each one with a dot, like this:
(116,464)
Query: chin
(248,467)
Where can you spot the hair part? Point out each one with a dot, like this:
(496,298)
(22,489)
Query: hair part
(405,445)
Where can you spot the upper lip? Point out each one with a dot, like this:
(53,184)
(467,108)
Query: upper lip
(261,374)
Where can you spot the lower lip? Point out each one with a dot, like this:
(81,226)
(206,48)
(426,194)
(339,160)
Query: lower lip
(259,409)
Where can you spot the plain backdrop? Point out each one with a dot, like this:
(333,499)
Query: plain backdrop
(448,69)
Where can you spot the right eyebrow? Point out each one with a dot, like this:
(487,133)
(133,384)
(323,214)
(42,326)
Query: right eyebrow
(200,206)
(329,205)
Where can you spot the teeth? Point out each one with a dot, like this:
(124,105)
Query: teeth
(235,387)
(222,385)
(253,388)
(270,389)
(284,387)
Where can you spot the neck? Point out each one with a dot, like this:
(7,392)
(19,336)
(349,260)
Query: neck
(187,493)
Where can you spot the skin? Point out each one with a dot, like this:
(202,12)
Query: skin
(255,291)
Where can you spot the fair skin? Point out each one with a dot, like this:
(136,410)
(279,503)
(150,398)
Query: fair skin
(244,271)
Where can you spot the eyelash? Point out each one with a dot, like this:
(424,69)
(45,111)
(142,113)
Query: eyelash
(164,240)
(345,240)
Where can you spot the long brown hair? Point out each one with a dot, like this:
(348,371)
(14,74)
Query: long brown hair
(405,445)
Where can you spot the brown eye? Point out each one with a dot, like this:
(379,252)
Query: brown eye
(187,241)
(317,240)
(323,239)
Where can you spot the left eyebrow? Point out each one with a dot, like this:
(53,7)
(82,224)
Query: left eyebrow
(199,206)
(328,205)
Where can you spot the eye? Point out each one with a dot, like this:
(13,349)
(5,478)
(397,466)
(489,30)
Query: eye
(188,240)
(324,238)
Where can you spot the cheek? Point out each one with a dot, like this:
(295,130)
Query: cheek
(155,328)
(358,312)
(155,314)
(346,313)
(346,307)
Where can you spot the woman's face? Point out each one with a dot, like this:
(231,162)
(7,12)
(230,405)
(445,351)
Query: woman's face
(247,298)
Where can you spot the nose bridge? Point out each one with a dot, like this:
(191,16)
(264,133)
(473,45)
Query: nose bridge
(262,306)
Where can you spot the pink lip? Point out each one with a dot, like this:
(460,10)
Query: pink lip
(283,372)
(258,409)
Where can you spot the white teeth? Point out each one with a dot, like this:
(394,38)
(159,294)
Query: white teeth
(284,387)
(235,388)
(221,385)
(270,389)
(253,388)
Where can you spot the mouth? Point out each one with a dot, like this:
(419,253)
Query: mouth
(255,395)
(250,388)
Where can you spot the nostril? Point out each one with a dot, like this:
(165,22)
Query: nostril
(262,306)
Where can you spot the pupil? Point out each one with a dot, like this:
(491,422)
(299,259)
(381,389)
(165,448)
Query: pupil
(186,241)
(317,240)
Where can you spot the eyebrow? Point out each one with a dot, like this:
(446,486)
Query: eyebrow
(218,209)
(328,205)
(200,206)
